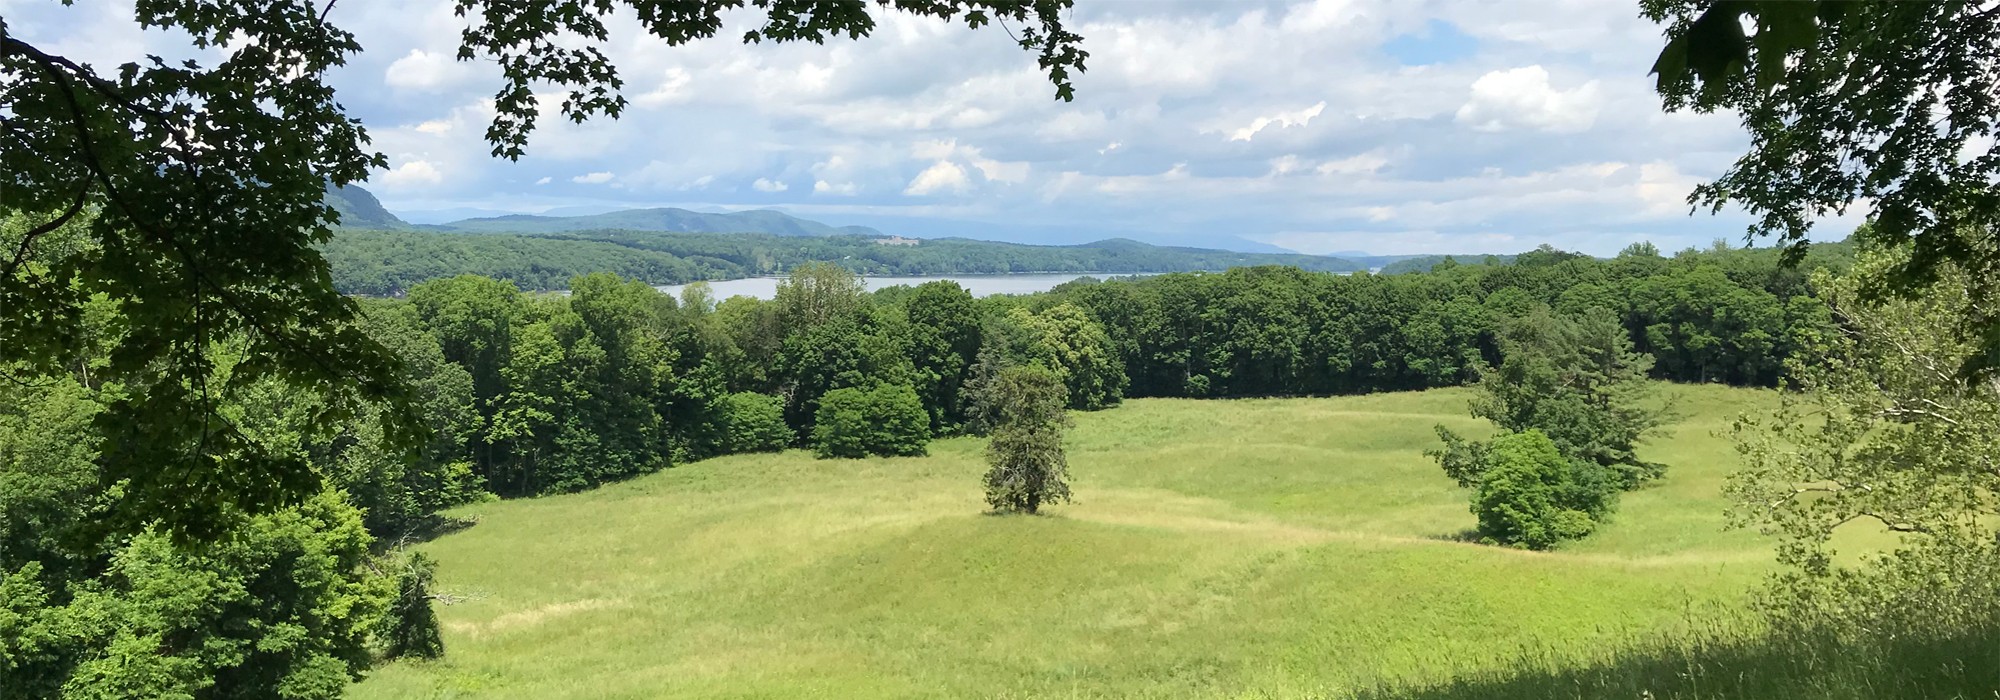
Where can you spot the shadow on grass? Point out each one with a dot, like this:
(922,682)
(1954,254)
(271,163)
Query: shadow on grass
(432,527)
(1963,665)
(1468,536)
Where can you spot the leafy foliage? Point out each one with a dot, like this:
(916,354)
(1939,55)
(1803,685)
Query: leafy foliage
(1578,381)
(1893,103)
(888,420)
(944,342)
(285,605)
(1027,467)
(410,629)
(1570,400)
(1530,495)
(1882,429)
(753,422)
(1064,340)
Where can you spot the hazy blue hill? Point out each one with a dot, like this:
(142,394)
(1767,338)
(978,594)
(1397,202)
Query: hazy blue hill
(666,220)
(359,209)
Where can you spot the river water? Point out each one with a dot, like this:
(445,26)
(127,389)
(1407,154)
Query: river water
(979,285)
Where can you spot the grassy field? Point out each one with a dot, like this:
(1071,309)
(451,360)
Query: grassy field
(1256,548)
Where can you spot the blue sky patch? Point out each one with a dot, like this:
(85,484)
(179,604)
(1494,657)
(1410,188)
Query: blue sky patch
(1439,42)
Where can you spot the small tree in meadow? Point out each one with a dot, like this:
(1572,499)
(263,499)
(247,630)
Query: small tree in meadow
(888,420)
(1028,467)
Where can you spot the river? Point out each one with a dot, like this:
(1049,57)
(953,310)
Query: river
(979,285)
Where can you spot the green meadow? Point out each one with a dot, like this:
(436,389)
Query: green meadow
(1244,548)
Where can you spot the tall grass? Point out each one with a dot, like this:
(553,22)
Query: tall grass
(1956,663)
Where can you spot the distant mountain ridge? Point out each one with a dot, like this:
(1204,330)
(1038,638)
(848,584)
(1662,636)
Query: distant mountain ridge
(664,220)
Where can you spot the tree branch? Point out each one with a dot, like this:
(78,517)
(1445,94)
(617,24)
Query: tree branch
(28,240)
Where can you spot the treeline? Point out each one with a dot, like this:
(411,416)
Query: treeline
(1718,315)
(617,378)
(389,263)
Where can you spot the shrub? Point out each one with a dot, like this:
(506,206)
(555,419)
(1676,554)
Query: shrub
(1530,496)
(888,420)
(753,422)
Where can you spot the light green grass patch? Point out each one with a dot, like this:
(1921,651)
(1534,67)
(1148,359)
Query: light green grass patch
(1272,547)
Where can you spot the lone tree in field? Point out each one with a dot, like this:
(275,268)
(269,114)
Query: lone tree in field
(1575,378)
(1576,386)
(201,191)
(1028,468)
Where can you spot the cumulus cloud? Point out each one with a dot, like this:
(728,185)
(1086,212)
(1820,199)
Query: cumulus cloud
(942,176)
(597,178)
(844,189)
(424,71)
(543,181)
(1281,119)
(1521,98)
(767,185)
(413,173)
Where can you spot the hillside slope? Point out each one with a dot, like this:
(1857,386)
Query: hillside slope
(1254,548)
(359,209)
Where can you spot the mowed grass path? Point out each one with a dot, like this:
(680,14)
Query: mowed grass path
(1249,548)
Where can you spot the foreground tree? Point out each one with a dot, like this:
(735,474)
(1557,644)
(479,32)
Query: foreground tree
(1883,430)
(1889,102)
(207,182)
(1027,467)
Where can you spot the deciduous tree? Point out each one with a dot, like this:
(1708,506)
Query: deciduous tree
(1026,464)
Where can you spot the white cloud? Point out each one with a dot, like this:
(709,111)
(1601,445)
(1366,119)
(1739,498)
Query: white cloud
(1353,165)
(943,175)
(597,178)
(415,172)
(1520,98)
(436,127)
(672,89)
(766,185)
(1284,165)
(1282,119)
(543,181)
(424,71)
(844,189)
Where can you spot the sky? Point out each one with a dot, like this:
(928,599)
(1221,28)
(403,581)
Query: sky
(1316,126)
